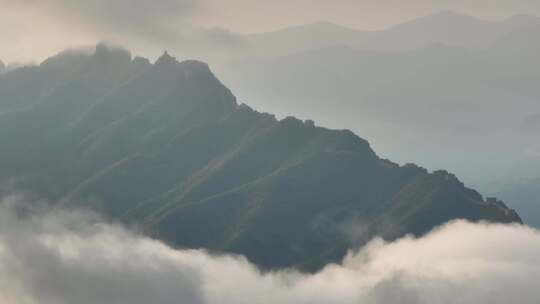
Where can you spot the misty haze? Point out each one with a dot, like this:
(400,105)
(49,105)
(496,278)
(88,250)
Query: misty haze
(310,151)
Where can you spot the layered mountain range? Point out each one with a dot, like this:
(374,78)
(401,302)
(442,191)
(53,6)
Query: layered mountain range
(446,27)
(167,147)
(443,91)
(442,101)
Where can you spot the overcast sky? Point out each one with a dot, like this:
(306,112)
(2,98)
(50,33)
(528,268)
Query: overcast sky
(34,29)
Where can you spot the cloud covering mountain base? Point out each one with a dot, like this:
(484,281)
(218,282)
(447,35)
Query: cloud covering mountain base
(73,257)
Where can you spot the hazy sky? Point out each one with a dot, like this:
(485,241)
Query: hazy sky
(34,29)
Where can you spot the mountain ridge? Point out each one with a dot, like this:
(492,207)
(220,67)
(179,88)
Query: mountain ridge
(168,147)
(447,27)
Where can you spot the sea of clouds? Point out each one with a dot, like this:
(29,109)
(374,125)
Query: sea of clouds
(65,257)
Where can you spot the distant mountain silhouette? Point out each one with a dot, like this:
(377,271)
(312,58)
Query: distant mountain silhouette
(521,41)
(444,106)
(2,67)
(447,28)
(166,146)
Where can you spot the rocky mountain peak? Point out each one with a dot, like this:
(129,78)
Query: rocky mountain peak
(166,59)
(108,53)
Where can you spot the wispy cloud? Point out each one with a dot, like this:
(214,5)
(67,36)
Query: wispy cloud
(135,17)
(72,257)
(148,25)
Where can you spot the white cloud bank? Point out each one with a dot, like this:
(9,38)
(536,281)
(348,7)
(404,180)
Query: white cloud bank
(69,257)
